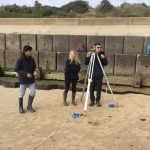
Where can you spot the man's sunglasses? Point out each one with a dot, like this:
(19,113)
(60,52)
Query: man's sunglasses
(99,47)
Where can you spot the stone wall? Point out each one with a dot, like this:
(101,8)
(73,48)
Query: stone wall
(126,54)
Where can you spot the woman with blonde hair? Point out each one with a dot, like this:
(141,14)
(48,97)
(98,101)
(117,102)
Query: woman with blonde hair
(72,68)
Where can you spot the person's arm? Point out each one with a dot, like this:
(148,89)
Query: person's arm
(67,66)
(18,68)
(104,60)
(87,58)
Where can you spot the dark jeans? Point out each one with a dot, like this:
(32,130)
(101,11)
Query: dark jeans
(96,85)
(67,85)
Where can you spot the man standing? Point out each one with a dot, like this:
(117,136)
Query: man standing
(97,77)
(26,68)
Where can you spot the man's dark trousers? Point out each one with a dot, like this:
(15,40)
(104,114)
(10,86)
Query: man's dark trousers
(96,85)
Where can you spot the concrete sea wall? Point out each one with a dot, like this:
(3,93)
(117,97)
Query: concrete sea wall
(126,55)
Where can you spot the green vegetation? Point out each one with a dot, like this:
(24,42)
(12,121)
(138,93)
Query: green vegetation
(75,9)
(39,11)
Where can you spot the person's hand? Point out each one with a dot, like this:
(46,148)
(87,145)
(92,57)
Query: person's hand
(29,75)
(102,55)
(35,73)
(89,54)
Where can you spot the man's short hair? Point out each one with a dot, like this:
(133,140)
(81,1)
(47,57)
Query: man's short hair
(97,43)
(27,48)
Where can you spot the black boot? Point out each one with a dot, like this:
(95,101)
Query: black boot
(91,104)
(30,101)
(21,105)
(65,99)
(73,99)
(98,104)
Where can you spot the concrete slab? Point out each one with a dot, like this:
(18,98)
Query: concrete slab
(133,45)
(28,39)
(61,59)
(2,41)
(114,45)
(143,65)
(109,69)
(35,55)
(13,42)
(125,64)
(2,56)
(121,80)
(60,43)
(82,56)
(47,60)
(11,58)
(44,42)
(78,43)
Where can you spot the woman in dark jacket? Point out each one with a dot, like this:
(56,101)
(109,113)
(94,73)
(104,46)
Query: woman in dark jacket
(72,68)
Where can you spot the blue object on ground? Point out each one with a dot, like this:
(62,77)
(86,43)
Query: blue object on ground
(111,105)
(75,115)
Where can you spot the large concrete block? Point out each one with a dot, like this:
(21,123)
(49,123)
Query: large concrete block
(61,59)
(35,55)
(114,44)
(146,43)
(81,56)
(122,80)
(60,43)
(28,39)
(125,64)
(11,58)
(44,42)
(109,69)
(2,41)
(143,65)
(78,42)
(91,40)
(2,58)
(47,60)
(133,45)
(13,42)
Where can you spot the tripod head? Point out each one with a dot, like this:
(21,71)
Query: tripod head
(93,48)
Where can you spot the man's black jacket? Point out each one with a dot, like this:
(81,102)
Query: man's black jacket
(24,66)
(97,72)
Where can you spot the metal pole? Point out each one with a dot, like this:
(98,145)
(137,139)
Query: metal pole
(107,81)
(84,86)
(85,81)
(90,74)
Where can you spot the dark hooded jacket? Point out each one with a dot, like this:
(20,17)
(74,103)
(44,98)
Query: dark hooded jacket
(97,72)
(24,66)
(71,70)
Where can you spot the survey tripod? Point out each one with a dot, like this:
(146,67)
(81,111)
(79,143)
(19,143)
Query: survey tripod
(89,76)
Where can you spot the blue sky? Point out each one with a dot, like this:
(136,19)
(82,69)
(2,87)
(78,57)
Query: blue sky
(62,2)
